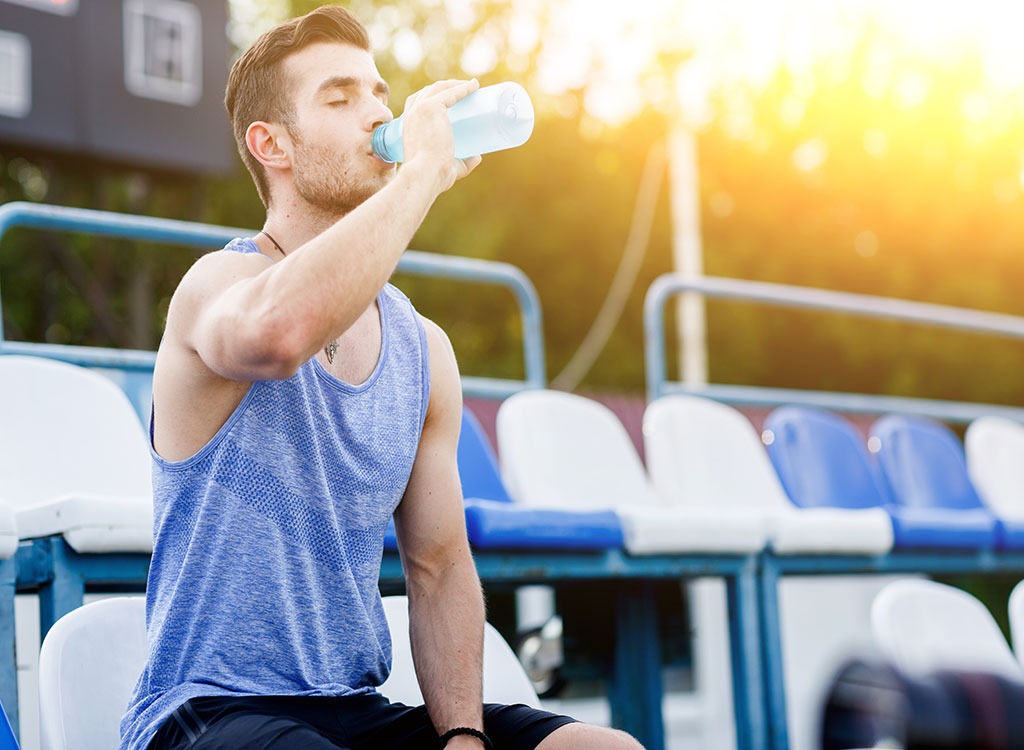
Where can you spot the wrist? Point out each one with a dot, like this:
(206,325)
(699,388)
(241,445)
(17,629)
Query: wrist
(464,742)
(420,181)
(464,737)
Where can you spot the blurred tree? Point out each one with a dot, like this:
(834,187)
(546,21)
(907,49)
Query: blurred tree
(860,166)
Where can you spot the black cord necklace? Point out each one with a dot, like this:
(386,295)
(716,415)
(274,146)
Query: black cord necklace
(267,235)
(332,347)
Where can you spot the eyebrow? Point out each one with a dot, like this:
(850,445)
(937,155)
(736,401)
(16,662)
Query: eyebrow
(346,82)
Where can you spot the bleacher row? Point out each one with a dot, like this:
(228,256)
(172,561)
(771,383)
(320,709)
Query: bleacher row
(74,476)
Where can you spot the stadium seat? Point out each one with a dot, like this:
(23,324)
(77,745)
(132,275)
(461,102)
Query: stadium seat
(92,657)
(7,739)
(822,460)
(705,454)
(995,464)
(564,451)
(567,452)
(478,466)
(88,666)
(74,458)
(924,626)
(494,521)
(8,580)
(1016,612)
(923,464)
(8,531)
(75,469)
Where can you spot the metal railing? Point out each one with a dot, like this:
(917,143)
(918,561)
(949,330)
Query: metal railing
(667,286)
(132,369)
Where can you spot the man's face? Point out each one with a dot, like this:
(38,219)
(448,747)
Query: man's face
(338,99)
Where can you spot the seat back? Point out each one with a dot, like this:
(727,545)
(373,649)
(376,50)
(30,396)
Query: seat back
(923,626)
(1016,612)
(707,454)
(7,739)
(995,464)
(92,657)
(560,450)
(505,680)
(478,466)
(88,666)
(822,460)
(923,463)
(67,429)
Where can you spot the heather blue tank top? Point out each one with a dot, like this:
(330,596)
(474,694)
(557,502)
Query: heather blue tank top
(268,541)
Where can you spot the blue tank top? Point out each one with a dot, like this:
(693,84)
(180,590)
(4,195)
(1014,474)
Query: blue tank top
(268,541)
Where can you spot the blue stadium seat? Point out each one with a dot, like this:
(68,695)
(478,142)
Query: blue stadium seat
(494,521)
(924,466)
(478,466)
(7,738)
(822,460)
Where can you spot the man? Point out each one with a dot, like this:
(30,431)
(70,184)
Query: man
(299,401)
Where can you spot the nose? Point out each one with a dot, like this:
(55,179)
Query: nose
(380,114)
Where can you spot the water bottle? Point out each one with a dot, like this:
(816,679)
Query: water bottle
(491,118)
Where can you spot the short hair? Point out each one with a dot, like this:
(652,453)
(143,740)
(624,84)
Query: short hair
(257,89)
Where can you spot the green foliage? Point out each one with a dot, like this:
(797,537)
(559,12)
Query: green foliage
(897,199)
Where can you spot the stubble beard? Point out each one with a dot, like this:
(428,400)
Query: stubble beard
(327,184)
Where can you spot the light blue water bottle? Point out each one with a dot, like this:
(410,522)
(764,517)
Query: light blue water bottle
(489,119)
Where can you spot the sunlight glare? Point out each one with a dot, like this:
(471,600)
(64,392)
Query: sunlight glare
(612,49)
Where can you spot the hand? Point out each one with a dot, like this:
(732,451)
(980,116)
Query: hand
(427,133)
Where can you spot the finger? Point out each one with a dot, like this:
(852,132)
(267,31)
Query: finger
(470,163)
(438,88)
(451,94)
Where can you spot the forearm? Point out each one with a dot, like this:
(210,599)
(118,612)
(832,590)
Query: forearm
(330,281)
(446,612)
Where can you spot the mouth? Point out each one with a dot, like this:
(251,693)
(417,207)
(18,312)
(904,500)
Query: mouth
(380,162)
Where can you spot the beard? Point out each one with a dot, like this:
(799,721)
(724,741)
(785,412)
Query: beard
(331,185)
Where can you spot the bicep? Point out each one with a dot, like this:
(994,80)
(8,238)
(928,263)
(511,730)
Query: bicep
(430,519)
(209,315)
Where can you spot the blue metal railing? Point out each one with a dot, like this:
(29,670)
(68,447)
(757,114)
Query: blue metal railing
(669,285)
(132,368)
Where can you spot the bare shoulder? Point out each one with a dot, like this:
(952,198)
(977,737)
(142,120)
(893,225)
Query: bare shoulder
(190,399)
(438,343)
(209,276)
(445,384)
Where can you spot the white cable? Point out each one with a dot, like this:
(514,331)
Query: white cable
(625,275)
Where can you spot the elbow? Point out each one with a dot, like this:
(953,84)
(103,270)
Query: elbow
(433,567)
(277,345)
(284,347)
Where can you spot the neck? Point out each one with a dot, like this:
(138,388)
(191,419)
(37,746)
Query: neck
(293,225)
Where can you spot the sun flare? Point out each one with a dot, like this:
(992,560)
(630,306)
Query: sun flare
(618,52)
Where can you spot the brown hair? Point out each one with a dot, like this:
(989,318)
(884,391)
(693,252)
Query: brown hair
(257,89)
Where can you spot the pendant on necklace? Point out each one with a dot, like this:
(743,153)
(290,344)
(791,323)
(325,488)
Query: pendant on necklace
(330,350)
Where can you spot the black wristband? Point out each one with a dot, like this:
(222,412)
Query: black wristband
(443,739)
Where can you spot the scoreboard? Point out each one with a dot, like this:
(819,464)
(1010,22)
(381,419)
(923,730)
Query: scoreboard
(137,82)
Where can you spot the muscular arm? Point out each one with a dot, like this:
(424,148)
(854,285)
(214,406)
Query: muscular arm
(446,609)
(248,323)
(236,318)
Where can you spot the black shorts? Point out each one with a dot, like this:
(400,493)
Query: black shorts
(353,722)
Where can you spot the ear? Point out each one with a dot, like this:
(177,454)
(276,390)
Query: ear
(270,144)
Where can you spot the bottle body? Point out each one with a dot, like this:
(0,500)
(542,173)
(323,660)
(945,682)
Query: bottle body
(490,119)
